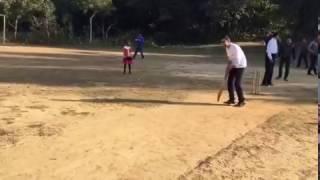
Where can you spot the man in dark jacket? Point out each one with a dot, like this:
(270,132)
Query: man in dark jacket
(318,53)
(313,55)
(303,56)
(287,53)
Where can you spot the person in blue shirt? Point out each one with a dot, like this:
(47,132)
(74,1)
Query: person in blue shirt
(139,41)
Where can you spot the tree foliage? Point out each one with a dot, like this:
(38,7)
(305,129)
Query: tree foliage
(164,21)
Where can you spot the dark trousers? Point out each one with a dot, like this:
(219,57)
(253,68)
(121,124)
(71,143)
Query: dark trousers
(284,61)
(313,64)
(303,56)
(267,80)
(234,82)
(138,50)
(266,63)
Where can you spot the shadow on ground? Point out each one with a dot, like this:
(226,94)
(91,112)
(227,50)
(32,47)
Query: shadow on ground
(138,101)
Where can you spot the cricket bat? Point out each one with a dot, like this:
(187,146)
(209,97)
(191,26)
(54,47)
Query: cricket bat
(223,85)
(222,88)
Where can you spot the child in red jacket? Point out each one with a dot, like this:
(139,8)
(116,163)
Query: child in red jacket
(127,57)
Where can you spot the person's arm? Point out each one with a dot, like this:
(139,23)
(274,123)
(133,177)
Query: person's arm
(233,54)
(229,64)
(228,68)
(131,52)
(310,50)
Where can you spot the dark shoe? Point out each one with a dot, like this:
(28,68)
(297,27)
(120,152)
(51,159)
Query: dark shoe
(240,104)
(278,78)
(229,102)
(286,80)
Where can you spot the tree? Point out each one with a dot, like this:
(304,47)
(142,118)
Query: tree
(65,15)
(165,21)
(93,7)
(300,16)
(43,17)
(15,10)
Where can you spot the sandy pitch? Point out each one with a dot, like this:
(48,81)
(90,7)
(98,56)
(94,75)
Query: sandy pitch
(71,114)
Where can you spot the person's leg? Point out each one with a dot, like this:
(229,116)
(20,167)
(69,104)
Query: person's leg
(129,68)
(282,61)
(299,60)
(305,57)
(287,63)
(142,55)
(135,53)
(318,65)
(310,69)
(238,85)
(271,68)
(314,64)
(271,73)
(265,78)
(231,79)
(124,68)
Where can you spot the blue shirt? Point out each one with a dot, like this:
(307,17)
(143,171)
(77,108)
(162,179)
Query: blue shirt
(139,41)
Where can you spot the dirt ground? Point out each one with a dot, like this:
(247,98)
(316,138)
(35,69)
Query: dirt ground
(71,114)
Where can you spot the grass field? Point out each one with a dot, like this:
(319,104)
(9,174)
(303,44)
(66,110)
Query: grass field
(70,114)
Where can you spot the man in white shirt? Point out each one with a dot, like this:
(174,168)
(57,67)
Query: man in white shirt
(266,59)
(237,62)
(272,54)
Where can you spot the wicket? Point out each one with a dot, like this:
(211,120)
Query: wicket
(256,82)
